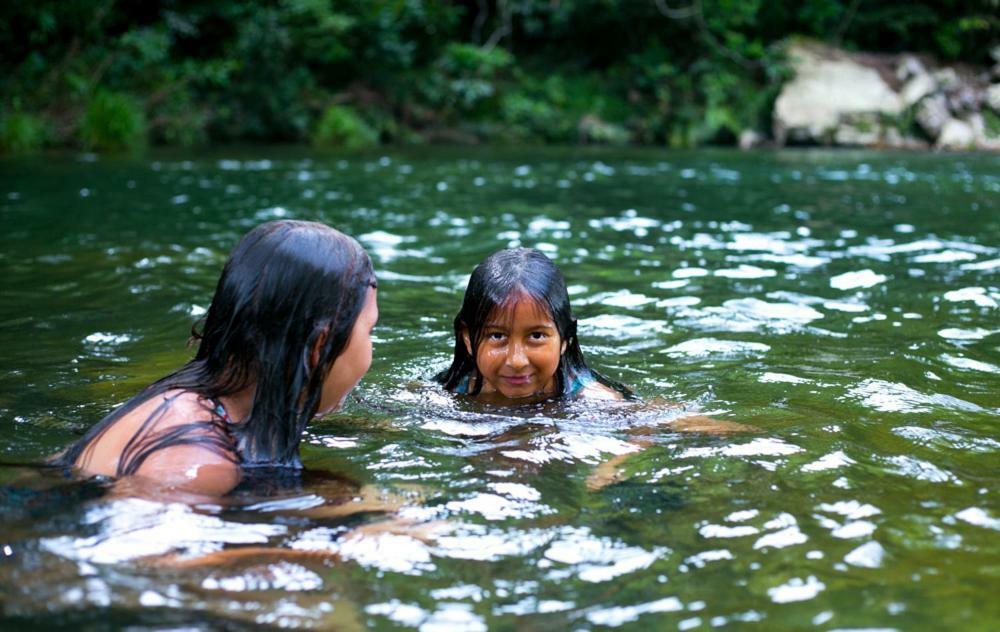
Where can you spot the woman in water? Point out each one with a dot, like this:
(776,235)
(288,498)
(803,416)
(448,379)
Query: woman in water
(515,336)
(286,338)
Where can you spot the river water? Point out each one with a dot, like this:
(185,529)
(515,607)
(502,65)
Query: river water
(844,305)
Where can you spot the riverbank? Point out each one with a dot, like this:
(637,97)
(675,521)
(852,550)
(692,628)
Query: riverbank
(105,76)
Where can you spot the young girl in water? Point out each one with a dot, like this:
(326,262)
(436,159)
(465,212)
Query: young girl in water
(286,338)
(515,336)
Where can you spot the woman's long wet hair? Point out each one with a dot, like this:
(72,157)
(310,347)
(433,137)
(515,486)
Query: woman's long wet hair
(286,286)
(496,284)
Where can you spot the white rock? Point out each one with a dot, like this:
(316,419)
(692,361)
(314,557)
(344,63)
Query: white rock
(992,97)
(917,88)
(947,78)
(909,67)
(932,114)
(956,134)
(828,85)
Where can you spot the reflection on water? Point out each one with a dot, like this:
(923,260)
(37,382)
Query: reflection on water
(843,306)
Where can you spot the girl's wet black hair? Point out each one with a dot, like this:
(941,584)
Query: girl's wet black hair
(499,279)
(286,285)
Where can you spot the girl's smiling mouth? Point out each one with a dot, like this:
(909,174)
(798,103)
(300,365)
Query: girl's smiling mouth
(517,379)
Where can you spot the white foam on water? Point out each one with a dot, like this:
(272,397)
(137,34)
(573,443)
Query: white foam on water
(476,542)
(619,326)
(945,256)
(778,243)
(107,339)
(978,517)
(977,295)
(796,260)
(617,615)
(921,470)
(494,507)
(857,280)
(450,617)
(991,264)
(750,315)
(745,272)
(517,490)
(894,397)
(830,461)
(383,551)
(851,509)
(404,614)
(742,516)
(711,347)
(783,378)
(699,560)
(931,436)
(856,529)
(572,446)
(868,555)
(955,333)
(846,306)
(621,298)
(788,536)
(722,531)
(689,273)
(132,528)
(678,301)
(969,364)
(757,447)
(598,559)
(671,285)
(796,589)
(781,521)
(283,576)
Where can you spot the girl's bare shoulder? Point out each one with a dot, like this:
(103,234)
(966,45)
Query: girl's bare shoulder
(598,391)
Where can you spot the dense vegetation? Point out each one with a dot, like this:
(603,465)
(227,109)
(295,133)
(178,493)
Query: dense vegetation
(107,74)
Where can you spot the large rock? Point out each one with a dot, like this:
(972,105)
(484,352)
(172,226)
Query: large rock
(956,134)
(992,97)
(932,114)
(827,86)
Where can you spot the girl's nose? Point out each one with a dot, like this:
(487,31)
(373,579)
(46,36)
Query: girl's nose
(516,357)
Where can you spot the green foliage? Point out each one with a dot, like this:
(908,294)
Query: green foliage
(537,70)
(22,133)
(114,122)
(341,126)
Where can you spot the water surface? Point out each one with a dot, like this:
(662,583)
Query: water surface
(845,304)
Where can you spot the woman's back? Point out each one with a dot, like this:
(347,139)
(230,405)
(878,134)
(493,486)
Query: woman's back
(176,438)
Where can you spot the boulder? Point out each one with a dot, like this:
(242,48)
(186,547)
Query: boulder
(918,87)
(894,139)
(750,138)
(992,97)
(828,85)
(956,134)
(932,114)
(858,130)
(909,67)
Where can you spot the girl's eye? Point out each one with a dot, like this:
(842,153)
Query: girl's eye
(538,335)
(495,336)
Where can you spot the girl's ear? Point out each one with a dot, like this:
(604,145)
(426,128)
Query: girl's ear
(317,347)
(565,344)
(467,340)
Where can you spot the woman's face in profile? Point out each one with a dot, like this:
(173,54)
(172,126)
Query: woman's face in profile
(352,364)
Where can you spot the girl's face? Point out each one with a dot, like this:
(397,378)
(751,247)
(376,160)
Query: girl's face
(352,364)
(519,351)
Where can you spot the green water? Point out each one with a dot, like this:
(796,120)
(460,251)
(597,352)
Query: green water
(843,304)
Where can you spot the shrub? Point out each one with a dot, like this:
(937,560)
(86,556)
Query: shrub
(112,121)
(20,132)
(341,126)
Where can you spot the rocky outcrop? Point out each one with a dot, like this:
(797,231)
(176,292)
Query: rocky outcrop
(840,98)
